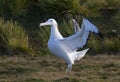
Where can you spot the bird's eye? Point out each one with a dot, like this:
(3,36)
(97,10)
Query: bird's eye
(51,20)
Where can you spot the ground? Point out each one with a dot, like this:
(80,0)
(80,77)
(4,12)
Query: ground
(98,68)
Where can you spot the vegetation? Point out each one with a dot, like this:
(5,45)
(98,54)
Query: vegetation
(28,14)
(12,38)
(21,36)
(101,68)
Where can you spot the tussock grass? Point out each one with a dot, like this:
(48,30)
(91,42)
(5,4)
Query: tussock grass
(14,7)
(12,38)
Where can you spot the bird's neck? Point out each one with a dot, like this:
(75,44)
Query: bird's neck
(55,34)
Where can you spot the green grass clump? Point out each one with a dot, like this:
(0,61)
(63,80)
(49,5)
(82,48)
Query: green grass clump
(13,6)
(12,38)
(64,8)
(112,45)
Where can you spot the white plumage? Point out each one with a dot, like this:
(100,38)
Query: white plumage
(66,48)
(76,26)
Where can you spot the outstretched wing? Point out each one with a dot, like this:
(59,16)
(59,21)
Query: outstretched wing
(79,39)
(76,26)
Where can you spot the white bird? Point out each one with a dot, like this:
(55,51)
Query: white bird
(66,48)
(76,26)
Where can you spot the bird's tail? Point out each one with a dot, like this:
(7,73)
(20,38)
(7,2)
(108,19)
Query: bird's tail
(81,54)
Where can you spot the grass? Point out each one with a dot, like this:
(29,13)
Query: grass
(13,38)
(99,68)
(43,67)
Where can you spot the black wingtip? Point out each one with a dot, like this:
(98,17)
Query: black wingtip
(100,35)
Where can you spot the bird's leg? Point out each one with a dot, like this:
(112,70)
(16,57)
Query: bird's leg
(69,68)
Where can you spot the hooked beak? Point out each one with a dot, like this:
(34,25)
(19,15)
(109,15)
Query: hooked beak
(44,24)
(73,20)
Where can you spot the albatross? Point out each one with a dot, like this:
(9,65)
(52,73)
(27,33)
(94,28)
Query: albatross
(67,48)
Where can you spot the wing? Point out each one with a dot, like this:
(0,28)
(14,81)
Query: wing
(76,26)
(79,39)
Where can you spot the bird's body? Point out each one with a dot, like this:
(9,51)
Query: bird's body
(57,47)
(66,48)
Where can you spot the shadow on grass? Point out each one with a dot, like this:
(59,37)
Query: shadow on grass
(16,70)
(66,79)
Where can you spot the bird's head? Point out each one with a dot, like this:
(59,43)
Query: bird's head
(51,22)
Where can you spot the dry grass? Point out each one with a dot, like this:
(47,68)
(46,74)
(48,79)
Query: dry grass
(99,68)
